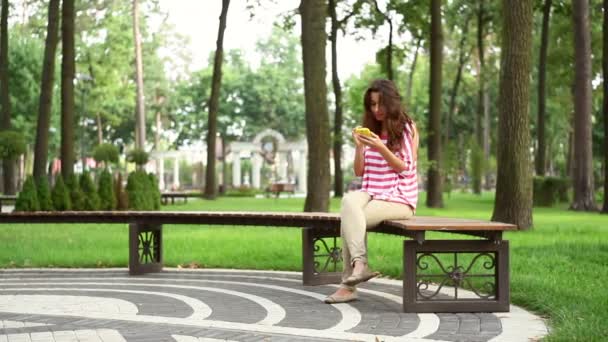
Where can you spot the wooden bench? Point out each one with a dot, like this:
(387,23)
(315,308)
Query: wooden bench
(7,198)
(166,196)
(321,254)
(277,188)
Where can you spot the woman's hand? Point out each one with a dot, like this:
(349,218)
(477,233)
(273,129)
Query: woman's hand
(357,138)
(372,141)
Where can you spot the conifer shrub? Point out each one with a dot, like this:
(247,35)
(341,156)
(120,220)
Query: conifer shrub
(60,195)
(76,195)
(154,191)
(137,185)
(89,191)
(107,200)
(45,202)
(550,190)
(28,197)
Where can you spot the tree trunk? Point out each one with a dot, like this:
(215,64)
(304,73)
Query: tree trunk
(317,119)
(389,48)
(8,165)
(67,88)
(541,151)
(462,58)
(513,202)
(210,177)
(478,165)
(99,129)
(410,81)
(41,145)
(434,197)
(140,116)
(605,85)
(583,155)
(337,138)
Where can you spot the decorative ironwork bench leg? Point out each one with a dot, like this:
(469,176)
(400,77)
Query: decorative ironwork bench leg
(145,248)
(321,259)
(482,270)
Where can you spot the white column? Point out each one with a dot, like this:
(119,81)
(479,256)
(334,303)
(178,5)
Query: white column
(236,168)
(176,173)
(161,173)
(256,166)
(302,172)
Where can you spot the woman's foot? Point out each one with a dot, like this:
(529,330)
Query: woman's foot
(342,295)
(361,273)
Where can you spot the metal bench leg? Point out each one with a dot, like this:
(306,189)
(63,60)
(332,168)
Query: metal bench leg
(483,272)
(145,248)
(320,256)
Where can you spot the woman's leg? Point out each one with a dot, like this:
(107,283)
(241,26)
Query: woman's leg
(377,211)
(353,227)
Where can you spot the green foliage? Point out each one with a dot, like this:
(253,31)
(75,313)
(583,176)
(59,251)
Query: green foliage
(107,198)
(76,194)
(106,153)
(142,191)
(89,191)
(138,156)
(242,191)
(550,190)
(60,195)
(28,197)
(44,194)
(12,145)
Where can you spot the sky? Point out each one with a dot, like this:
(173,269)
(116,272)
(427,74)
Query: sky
(199,19)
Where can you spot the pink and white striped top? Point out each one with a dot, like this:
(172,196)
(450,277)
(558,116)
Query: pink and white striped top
(382,182)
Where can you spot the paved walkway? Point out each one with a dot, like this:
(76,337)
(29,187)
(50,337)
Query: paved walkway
(108,305)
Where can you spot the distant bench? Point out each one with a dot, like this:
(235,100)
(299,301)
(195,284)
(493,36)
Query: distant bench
(165,197)
(7,198)
(277,188)
(321,254)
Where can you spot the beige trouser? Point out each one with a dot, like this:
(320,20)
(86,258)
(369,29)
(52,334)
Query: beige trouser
(359,213)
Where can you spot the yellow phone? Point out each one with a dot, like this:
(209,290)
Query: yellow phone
(363,131)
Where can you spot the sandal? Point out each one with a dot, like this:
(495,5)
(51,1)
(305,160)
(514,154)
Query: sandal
(364,276)
(335,299)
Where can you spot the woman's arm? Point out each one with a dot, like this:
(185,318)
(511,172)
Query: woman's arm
(359,164)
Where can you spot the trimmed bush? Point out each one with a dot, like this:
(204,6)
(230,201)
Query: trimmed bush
(154,191)
(106,153)
(107,200)
(60,195)
(138,156)
(142,191)
(28,197)
(550,190)
(91,198)
(44,194)
(12,145)
(76,195)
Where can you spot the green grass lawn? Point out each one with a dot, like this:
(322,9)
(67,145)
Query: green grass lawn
(558,269)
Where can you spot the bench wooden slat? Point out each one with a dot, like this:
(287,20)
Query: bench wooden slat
(451,224)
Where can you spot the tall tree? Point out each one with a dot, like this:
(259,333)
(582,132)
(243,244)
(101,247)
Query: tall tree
(513,202)
(41,145)
(481,108)
(540,161)
(315,90)
(389,48)
(210,179)
(67,88)
(140,116)
(337,24)
(434,197)
(605,89)
(8,166)
(583,158)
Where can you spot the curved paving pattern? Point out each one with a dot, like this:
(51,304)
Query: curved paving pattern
(107,305)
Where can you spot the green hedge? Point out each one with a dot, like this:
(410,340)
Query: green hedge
(76,195)
(28,197)
(142,191)
(60,195)
(107,199)
(44,194)
(550,190)
(89,191)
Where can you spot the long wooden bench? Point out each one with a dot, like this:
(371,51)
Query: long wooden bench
(321,254)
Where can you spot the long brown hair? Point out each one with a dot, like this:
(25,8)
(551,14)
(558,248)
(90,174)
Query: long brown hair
(395,115)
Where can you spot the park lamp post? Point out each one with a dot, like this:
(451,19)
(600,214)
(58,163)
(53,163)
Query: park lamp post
(83,80)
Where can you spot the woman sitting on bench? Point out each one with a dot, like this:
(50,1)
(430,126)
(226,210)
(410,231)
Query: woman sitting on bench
(385,157)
